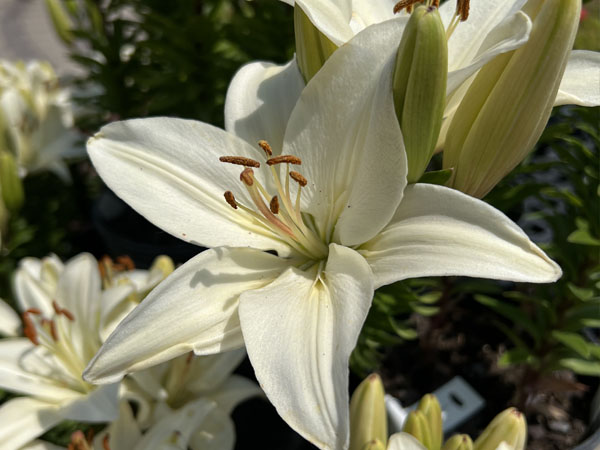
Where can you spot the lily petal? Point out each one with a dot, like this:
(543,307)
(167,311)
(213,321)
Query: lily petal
(10,322)
(259,101)
(404,441)
(100,405)
(78,291)
(195,308)
(24,369)
(331,17)
(208,372)
(23,419)
(344,128)
(440,231)
(581,82)
(216,432)
(177,162)
(299,332)
(234,391)
(30,293)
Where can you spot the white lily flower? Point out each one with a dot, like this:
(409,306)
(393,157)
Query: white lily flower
(162,389)
(175,431)
(492,28)
(36,118)
(62,309)
(344,227)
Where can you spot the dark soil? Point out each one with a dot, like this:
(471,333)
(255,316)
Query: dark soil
(461,340)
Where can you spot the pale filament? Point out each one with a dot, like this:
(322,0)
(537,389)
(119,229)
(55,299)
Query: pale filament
(53,335)
(278,212)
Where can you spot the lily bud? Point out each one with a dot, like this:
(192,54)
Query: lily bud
(312,47)
(368,419)
(430,407)
(416,425)
(509,427)
(419,86)
(61,21)
(459,442)
(11,186)
(164,264)
(507,106)
(374,445)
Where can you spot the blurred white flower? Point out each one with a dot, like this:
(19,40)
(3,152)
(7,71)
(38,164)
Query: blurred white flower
(66,310)
(36,119)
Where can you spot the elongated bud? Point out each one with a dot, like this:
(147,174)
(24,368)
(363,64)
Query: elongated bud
(368,420)
(416,425)
(420,86)
(459,442)
(163,263)
(509,102)
(61,20)
(374,445)
(10,182)
(312,47)
(430,407)
(509,427)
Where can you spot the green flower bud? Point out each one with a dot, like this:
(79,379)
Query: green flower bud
(416,425)
(374,445)
(430,407)
(11,186)
(509,102)
(61,20)
(420,86)
(458,442)
(509,427)
(312,47)
(368,419)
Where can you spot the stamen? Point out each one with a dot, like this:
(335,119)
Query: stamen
(68,314)
(229,198)
(274,205)
(29,329)
(189,358)
(289,159)
(126,262)
(298,178)
(239,160)
(405,4)
(34,311)
(56,307)
(247,177)
(105,444)
(462,9)
(266,147)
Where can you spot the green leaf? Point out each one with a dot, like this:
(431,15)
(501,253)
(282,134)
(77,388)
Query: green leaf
(574,341)
(515,356)
(583,237)
(581,293)
(510,312)
(581,366)
(439,177)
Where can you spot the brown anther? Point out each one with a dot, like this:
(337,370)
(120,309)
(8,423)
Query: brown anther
(405,4)
(89,436)
(298,178)
(229,198)
(266,147)
(57,309)
(435,3)
(240,161)
(53,332)
(126,262)
(247,177)
(189,358)
(288,159)
(33,311)
(105,444)
(29,329)
(462,9)
(274,205)
(68,314)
